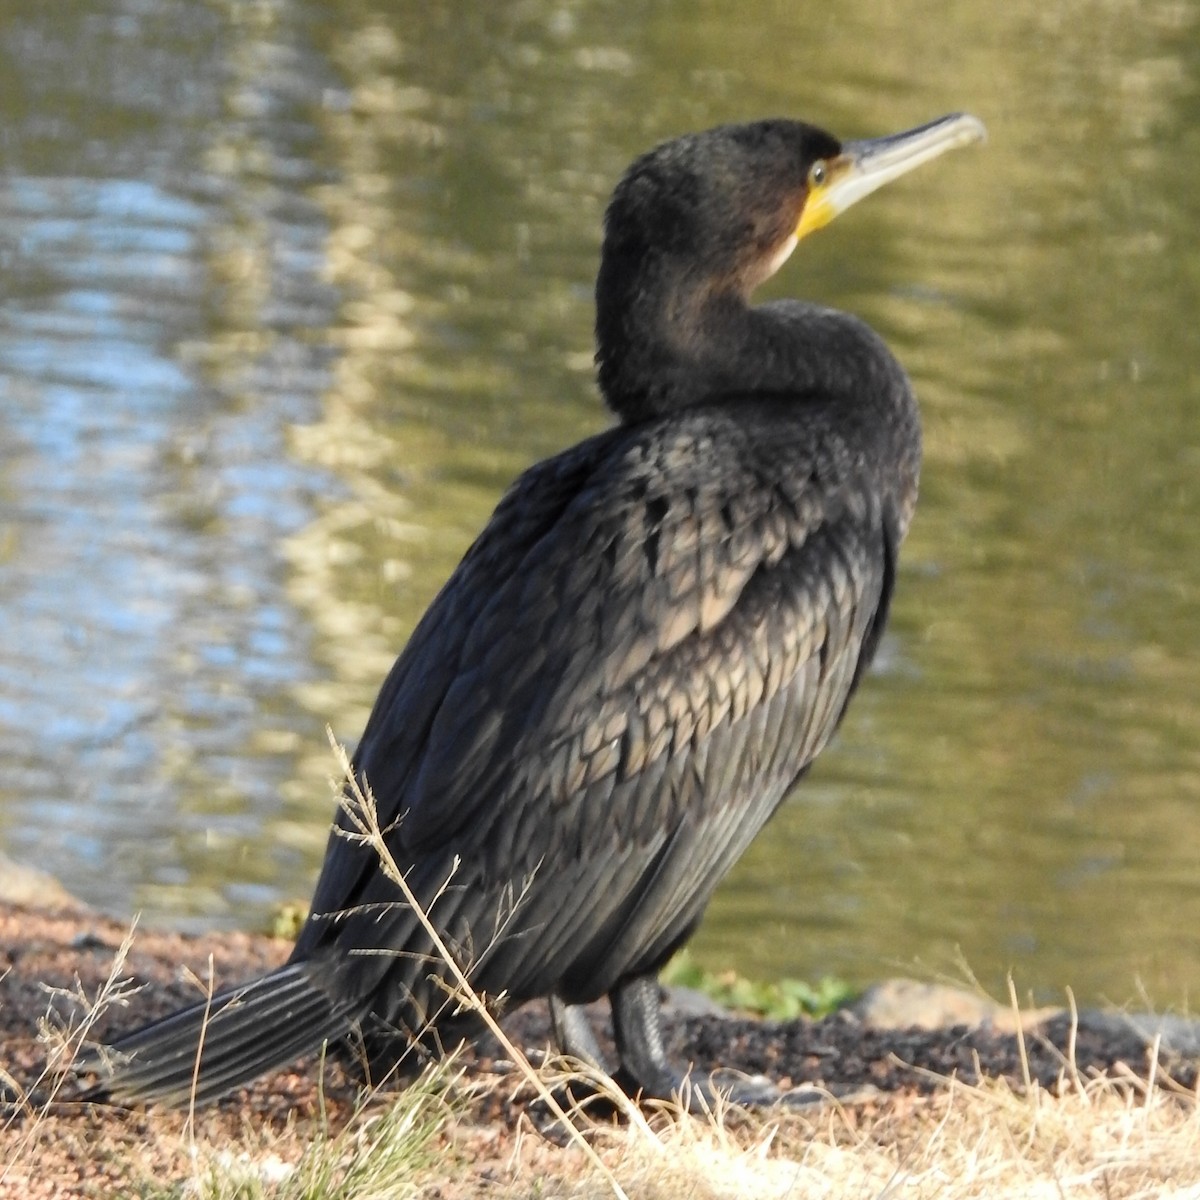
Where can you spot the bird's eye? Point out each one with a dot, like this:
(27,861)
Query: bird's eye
(816,175)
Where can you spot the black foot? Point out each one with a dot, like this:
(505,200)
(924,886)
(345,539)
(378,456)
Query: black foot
(646,1071)
(573,1034)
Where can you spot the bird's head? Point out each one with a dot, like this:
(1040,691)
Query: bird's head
(710,216)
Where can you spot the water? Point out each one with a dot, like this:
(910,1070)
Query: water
(289,291)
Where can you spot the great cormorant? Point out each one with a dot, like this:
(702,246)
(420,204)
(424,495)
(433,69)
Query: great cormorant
(647,646)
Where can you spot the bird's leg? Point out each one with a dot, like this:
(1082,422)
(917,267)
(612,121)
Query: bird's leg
(637,1027)
(573,1033)
(637,1023)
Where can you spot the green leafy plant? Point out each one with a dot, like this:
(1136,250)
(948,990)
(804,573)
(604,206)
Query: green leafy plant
(778,1000)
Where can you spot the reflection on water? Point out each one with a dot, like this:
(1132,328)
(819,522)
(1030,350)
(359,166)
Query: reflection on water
(292,290)
(165,323)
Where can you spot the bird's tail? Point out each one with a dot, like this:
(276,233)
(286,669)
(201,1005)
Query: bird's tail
(200,1053)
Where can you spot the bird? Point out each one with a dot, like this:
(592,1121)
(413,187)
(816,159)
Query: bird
(652,639)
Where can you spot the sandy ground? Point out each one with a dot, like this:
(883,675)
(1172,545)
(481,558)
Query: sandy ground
(54,963)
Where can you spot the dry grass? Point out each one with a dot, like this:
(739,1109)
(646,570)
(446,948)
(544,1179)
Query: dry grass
(1109,1141)
(26,1113)
(387,1151)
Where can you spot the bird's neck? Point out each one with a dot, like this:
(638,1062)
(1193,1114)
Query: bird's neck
(657,357)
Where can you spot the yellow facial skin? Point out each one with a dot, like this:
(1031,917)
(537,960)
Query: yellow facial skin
(836,183)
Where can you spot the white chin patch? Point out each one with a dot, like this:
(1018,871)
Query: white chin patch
(781,255)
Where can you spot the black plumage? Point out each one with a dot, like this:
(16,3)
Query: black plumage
(652,639)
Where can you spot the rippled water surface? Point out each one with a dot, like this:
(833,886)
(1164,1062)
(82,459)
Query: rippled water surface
(289,291)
